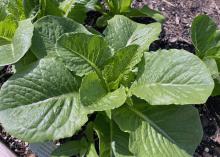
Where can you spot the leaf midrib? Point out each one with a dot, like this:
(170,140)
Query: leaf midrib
(83,57)
(97,70)
(154,125)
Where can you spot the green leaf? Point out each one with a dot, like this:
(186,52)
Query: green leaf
(79,8)
(119,6)
(78,13)
(44,99)
(3,10)
(51,7)
(146,12)
(212,66)
(71,148)
(160,131)
(83,53)
(121,65)
(7,31)
(94,96)
(112,141)
(48,29)
(31,7)
(121,32)
(92,152)
(11,53)
(216,90)
(66,6)
(28,58)
(203,34)
(102,21)
(213,53)
(173,77)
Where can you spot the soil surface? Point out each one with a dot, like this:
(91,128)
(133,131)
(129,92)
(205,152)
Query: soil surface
(176,34)
(180,14)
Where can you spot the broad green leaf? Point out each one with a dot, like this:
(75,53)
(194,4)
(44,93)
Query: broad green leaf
(48,29)
(71,148)
(121,32)
(92,152)
(173,77)
(145,12)
(44,99)
(83,53)
(112,141)
(121,65)
(21,42)
(94,96)
(160,131)
(203,34)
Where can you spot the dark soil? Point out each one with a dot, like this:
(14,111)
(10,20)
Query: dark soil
(176,34)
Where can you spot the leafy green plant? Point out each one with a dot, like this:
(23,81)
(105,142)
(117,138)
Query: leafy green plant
(69,81)
(78,9)
(124,7)
(206,39)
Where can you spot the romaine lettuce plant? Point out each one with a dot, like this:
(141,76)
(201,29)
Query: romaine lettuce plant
(206,39)
(69,81)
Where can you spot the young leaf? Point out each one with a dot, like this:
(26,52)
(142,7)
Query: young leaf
(7,31)
(42,103)
(213,53)
(3,10)
(92,152)
(21,42)
(212,66)
(78,13)
(83,53)
(146,12)
(94,96)
(51,7)
(216,90)
(173,77)
(121,65)
(79,8)
(71,148)
(31,7)
(203,34)
(48,29)
(112,141)
(122,32)
(119,6)
(162,131)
